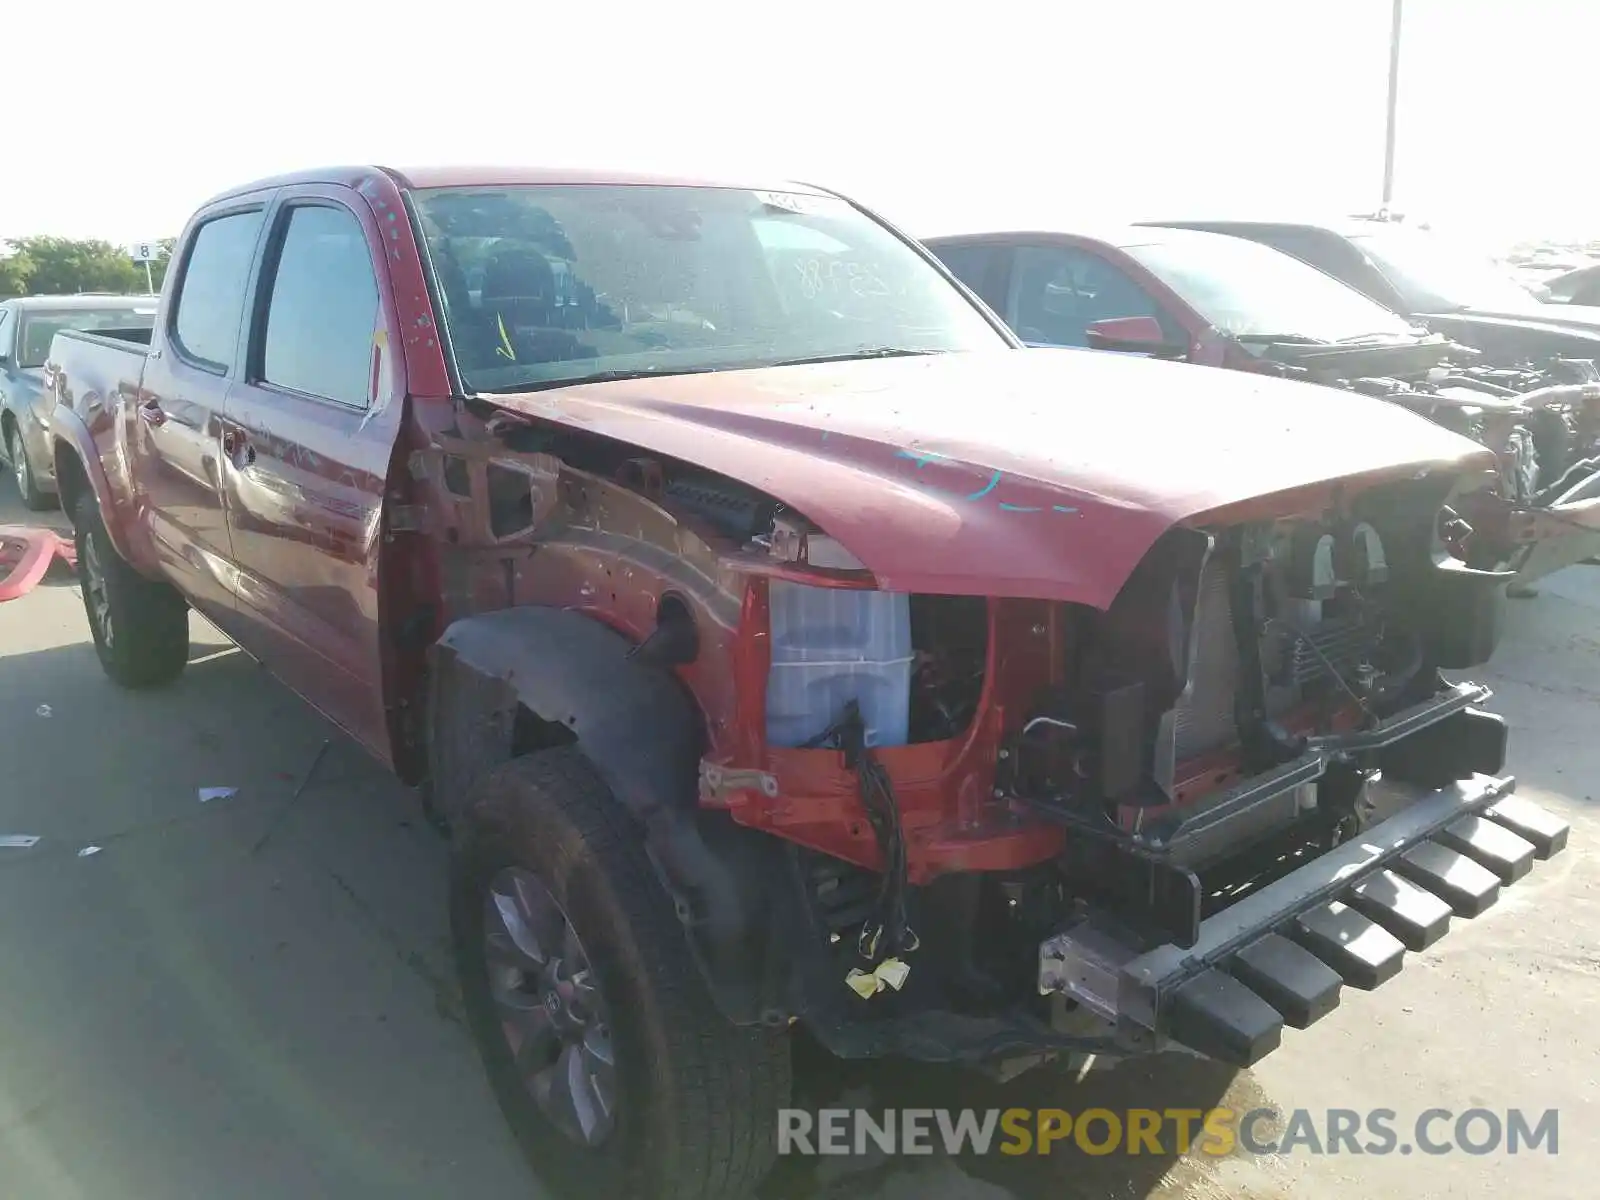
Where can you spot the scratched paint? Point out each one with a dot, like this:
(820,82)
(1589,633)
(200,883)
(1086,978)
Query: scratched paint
(923,457)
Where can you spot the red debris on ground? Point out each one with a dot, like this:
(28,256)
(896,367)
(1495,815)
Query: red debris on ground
(26,555)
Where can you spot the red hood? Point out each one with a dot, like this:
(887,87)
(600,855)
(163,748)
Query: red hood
(1045,473)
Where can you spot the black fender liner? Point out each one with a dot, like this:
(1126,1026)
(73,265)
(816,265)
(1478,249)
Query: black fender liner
(643,734)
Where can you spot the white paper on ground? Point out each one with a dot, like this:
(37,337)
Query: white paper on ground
(88,850)
(207,794)
(17,841)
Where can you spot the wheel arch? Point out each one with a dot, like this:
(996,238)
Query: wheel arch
(521,680)
(72,481)
(80,472)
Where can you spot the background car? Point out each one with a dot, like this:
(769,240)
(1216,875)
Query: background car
(27,326)
(1428,277)
(1223,301)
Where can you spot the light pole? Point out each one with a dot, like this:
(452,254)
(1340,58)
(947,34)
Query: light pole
(1394,97)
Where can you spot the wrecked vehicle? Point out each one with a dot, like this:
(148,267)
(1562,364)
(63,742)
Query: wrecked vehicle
(778,645)
(1219,301)
(1579,286)
(1422,275)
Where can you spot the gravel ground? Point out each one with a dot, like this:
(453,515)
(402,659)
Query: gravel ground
(248,998)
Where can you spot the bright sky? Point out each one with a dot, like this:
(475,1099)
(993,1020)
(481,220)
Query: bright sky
(124,116)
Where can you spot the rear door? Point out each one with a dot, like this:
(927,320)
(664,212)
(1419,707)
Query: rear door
(309,433)
(174,429)
(981,265)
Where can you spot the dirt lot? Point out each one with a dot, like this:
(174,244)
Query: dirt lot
(248,998)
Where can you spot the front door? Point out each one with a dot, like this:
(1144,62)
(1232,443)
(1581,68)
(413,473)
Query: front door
(1057,291)
(174,426)
(309,432)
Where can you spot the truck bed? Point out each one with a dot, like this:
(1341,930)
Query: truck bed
(133,339)
(87,369)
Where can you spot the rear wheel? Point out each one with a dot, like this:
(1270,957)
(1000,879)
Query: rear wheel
(140,626)
(609,1059)
(22,469)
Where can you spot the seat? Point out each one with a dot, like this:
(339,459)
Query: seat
(520,309)
(520,287)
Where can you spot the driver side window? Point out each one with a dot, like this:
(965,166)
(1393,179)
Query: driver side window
(1057,292)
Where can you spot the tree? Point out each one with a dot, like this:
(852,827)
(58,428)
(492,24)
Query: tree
(15,267)
(56,266)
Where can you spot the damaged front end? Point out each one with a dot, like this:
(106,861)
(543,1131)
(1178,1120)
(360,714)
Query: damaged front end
(983,826)
(1542,512)
(1193,818)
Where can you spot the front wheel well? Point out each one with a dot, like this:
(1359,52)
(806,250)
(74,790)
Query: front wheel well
(531,733)
(71,479)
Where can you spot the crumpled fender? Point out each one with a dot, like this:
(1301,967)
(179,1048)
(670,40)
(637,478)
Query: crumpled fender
(26,555)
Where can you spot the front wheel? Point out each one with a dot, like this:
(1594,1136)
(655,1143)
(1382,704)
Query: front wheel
(32,497)
(610,1062)
(140,626)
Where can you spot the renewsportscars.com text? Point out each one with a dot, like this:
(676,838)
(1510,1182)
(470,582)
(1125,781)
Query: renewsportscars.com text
(1215,1132)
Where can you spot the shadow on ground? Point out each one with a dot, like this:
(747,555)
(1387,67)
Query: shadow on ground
(1166,1082)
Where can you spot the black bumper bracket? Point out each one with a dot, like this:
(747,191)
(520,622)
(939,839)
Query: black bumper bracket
(1282,955)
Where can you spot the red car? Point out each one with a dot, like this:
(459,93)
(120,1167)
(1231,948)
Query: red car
(779,644)
(1216,300)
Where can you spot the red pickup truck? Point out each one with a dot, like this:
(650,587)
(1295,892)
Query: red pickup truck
(777,644)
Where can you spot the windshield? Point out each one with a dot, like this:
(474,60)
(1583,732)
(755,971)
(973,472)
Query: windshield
(544,285)
(39,325)
(1435,275)
(1253,291)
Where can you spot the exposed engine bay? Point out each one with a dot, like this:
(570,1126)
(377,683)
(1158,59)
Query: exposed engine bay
(1541,420)
(1225,724)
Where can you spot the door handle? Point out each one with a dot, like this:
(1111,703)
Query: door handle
(238,448)
(151,414)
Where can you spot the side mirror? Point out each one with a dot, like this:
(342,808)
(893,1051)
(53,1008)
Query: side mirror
(1134,335)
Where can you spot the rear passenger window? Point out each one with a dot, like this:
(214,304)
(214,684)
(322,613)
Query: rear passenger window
(211,295)
(324,308)
(976,266)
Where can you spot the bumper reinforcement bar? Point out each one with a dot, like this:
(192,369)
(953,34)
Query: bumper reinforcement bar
(1282,955)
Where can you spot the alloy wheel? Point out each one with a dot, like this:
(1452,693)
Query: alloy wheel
(19,464)
(94,583)
(551,1011)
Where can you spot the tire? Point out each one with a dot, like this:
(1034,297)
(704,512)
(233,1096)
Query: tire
(22,469)
(140,626)
(695,1097)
